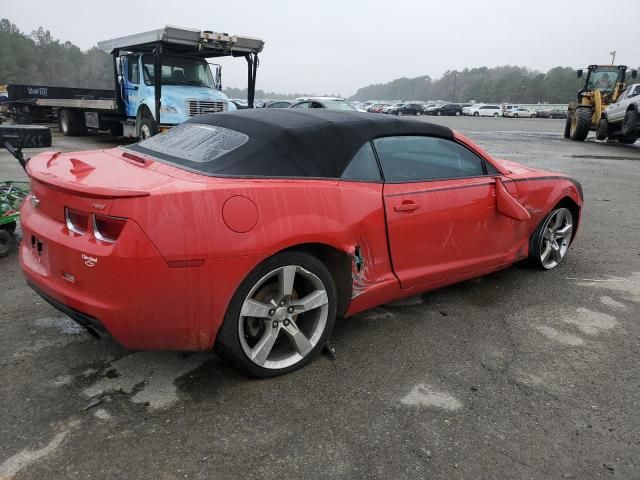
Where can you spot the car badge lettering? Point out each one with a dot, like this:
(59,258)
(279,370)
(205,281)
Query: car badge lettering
(89,261)
(98,206)
(35,201)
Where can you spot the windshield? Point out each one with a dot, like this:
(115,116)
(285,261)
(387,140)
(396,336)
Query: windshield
(178,70)
(603,79)
(336,105)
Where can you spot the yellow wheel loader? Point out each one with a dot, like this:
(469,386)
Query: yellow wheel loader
(602,86)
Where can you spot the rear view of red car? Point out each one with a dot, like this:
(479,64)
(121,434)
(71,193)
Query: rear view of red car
(252,231)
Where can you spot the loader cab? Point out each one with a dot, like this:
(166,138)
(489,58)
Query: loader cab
(609,80)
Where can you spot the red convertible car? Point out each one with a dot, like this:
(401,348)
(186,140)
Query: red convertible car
(251,232)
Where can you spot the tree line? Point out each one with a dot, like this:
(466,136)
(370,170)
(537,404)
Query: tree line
(499,84)
(38,58)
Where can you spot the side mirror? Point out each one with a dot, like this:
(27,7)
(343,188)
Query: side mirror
(579,72)
(509,206)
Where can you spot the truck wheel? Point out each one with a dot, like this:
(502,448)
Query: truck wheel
(28,136)
(6,243)
(603,129)
(630,123)
(567,128)
(71,123)
(147,128)
(581,124)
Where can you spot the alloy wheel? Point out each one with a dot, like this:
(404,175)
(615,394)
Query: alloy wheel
(556,236)
(283,317)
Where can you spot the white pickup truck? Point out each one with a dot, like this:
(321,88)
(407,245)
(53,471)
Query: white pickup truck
(621,120)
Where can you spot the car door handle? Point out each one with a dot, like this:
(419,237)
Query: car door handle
(406,206)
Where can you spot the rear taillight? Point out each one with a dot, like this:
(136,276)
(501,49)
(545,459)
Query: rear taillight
(107,229)
(104,227)
(77,222)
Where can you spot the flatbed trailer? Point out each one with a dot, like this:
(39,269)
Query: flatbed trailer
(142,102)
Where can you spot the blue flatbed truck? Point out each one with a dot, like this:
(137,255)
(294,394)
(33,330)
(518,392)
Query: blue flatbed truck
(142,102)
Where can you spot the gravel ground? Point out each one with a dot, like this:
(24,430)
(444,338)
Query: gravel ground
(520,374)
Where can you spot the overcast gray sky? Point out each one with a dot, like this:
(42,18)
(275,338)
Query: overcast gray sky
(337,46)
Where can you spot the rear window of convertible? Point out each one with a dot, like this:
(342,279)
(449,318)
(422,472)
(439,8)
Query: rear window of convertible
(192,145)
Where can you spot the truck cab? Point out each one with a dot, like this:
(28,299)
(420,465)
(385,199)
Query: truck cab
(162,77)
(188,88)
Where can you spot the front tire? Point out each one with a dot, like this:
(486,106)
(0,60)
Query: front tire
(550,242)
(603,129)
(630,123)
(280,317)
(476,114)
(147,128)
(580,124)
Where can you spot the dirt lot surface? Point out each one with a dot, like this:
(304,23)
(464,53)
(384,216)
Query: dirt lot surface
(520,374)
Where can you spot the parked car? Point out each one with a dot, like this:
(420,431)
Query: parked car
(446,109)
(486,111)
(390,108)
(239,103)
(408,109)
(278,104)
(328,103)
(429,108)
(468,110)
(251,231)
(517,112)
(551,113)
(621,119)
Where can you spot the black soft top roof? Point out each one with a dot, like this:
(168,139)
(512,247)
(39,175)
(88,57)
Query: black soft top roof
(314,143)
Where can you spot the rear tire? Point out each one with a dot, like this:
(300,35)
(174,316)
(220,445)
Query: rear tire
(476,114)
(28,136)
(580,128)
(630,123)
(495,115)
(71,123)
(418,113)
(6,243)
(603,129)
(567,128)
(242,338)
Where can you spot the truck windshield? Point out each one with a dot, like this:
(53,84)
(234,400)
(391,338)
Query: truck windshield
(177,70)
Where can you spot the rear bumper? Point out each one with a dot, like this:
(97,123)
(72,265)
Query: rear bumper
(126,289)
(93,325)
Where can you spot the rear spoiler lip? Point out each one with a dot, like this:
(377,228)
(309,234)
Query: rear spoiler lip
(87,190)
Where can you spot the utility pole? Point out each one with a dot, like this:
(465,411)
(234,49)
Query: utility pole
(613,57)
(455,78)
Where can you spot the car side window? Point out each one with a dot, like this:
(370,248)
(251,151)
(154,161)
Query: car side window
(133,69)
(418,158)
(301,105)
(363,166)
